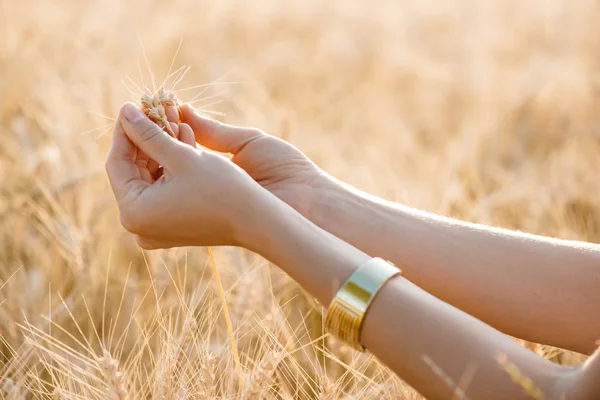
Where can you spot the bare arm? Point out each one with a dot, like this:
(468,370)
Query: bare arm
(411,331)
(535,288)
(203,199)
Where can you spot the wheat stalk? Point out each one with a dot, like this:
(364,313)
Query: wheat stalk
(154,105)
(458,392)
(234,349)
(525,382)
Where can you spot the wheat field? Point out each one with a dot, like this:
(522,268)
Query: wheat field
(487,111)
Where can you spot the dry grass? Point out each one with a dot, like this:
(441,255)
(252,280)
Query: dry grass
(486,111)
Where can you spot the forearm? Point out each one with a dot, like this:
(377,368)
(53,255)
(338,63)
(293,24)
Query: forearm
(440,350)
(412,332)
(535,288)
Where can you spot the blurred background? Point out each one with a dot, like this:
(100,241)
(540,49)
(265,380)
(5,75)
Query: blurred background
(487,111)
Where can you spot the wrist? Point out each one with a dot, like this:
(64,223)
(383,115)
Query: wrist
(326,192)
(333,201)
(263,214)
(317,260)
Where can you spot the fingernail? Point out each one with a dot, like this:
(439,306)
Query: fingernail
(132,113)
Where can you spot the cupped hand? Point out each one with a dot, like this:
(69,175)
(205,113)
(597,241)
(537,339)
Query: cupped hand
(274,163)
(171,193)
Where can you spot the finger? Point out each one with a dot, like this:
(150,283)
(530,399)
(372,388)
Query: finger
(123,174)
(175,129)
(172,114)
(186,135)
(142,160)
(152,243)
(148,136)
(152,165)
(153,168)
(216,135)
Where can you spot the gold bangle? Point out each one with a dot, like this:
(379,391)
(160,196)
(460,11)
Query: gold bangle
(347,309)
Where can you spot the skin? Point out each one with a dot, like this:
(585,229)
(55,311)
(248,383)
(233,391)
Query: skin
(447,311)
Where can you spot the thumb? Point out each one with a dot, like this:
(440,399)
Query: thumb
(148,136)
(216,135)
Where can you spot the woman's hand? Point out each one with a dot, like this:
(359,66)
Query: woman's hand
(197,198)
(275,164)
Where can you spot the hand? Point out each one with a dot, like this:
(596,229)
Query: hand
(200,198)
(275,164)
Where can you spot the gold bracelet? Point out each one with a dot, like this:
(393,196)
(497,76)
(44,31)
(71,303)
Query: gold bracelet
(347,309)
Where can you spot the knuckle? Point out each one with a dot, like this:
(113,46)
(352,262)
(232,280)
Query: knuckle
(141,163)
(249,135)
(255,132)
(149,132)
(214,124)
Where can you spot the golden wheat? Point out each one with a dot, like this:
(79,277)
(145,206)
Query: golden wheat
(259,380)
(154,105)
(115,388)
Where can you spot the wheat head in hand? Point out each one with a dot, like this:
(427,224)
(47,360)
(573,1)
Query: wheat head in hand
(154,105)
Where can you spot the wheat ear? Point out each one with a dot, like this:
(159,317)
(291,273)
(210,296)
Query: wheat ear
(261,375)
(234,349)
(112,377)
(154,105)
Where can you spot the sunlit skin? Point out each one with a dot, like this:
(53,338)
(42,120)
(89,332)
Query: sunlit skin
(464,284)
